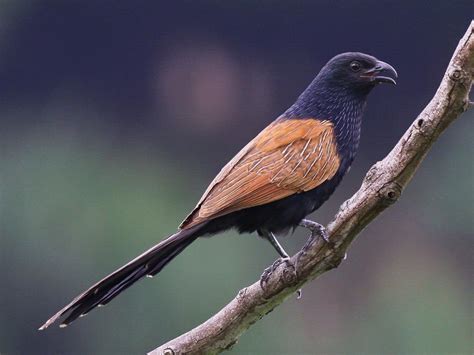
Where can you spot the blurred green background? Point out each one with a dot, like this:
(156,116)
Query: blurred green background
(115,115)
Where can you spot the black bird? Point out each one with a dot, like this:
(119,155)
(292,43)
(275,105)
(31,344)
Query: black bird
(286,172)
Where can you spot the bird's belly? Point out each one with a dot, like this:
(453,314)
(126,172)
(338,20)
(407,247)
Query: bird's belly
(278,216)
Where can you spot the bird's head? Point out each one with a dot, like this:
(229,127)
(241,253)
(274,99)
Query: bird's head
(357,71)
(339,92)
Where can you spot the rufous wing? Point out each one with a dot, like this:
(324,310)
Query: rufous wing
(287,157)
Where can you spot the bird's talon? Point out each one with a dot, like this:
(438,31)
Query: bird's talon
(298,294)
(321,232)
(316,229)
(324,235)
(269,270)
(278,262)
(264,277)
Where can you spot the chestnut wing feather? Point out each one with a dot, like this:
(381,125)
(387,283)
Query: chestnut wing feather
(287,157)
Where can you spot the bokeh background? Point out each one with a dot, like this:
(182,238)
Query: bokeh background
(114,117)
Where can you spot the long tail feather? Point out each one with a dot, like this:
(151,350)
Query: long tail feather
(147,264)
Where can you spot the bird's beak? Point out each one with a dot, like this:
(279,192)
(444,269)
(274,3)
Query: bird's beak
(382,73)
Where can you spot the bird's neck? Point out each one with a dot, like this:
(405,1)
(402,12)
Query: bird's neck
(342,106)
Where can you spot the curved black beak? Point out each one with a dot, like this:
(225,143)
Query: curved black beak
(382,73)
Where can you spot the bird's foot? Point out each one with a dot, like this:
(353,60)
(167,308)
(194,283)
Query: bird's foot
(269,270)
(316,229)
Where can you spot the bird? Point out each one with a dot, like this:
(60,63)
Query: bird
(272,184)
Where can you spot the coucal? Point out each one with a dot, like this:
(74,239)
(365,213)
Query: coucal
(286,172)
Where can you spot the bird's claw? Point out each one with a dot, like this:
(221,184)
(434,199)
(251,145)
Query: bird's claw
(316,230)
(269,270)
(320,232)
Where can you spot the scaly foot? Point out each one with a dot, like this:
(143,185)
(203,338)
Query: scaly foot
(269,270)
(316,229)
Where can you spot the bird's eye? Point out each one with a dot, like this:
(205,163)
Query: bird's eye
(355,66)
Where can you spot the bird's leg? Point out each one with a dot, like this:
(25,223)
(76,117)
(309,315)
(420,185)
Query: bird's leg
(284,258)
(273,241)
(315,228)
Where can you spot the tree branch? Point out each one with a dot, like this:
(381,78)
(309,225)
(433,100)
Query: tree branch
(382,186)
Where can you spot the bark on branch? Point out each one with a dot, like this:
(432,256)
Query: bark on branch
(382,186)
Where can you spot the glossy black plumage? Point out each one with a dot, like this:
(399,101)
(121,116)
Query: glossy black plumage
(288,171)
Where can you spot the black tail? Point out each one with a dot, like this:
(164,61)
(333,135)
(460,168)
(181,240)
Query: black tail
(147,264)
